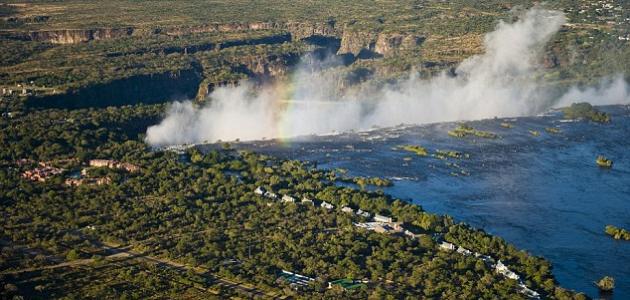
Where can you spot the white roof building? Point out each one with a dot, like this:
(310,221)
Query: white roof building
(363,213)
(501,267)
(287,198)
(327,205)
(503,270)
(259,191)
(463,251)
(447,246)
(384,219)
(307,201)
(409,234)
(347,209)
(271,195)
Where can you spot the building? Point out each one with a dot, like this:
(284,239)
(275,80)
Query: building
(384,219)
(271,195)
(259,191)
(327,205)
(101,163)
(410,234)
(295,280)
(288,199)
(347,209)
(91,181)
(362,213)
(447,246)
(347,284)
(528,292)
(41,173)
(380,227)
(128,167)
(464,251)
(113,164)
(503,270)
(307,201)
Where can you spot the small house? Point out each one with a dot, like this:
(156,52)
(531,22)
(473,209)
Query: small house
(384,219)
(271,195)
(307,201)
(346,284)
(447,246)
(295,280)
(463,251)
(409,234)
(98,163)
(260,191)
(503,270)
(347,209)
(363,213)
(327,205)
(288,199)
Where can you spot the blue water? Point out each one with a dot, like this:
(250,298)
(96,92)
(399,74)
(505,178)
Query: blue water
(543,194)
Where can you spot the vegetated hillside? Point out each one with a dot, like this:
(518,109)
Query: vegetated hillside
(52,47)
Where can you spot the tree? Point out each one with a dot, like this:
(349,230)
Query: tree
(73,255)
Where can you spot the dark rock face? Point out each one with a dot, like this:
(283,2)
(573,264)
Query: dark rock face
(153,88)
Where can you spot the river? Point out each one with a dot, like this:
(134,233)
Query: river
(544,193)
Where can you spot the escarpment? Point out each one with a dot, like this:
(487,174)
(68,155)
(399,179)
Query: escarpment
(352,41)
(258,68)
(69,36)
(298,30)
(265,51)
(373,44)
(389,44)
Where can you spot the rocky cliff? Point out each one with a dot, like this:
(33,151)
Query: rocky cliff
(267,66)
(298,30)
(257,68)
(73,36)
(372,44)
(390,44)
(352,42)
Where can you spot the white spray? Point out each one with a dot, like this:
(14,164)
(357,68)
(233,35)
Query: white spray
(500,82)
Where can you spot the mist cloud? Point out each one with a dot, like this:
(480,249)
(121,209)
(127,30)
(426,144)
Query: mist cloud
(501,82)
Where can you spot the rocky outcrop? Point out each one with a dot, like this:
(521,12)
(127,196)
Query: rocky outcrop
(256,68)
(390,44)
(349,41)
(298,30)
(302,30)
(69,36)
(371,44)
(267,66)
(216,27)
(206,87)
(354,42)
(79,36)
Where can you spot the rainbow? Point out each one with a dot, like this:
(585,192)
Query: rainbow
(284,92)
